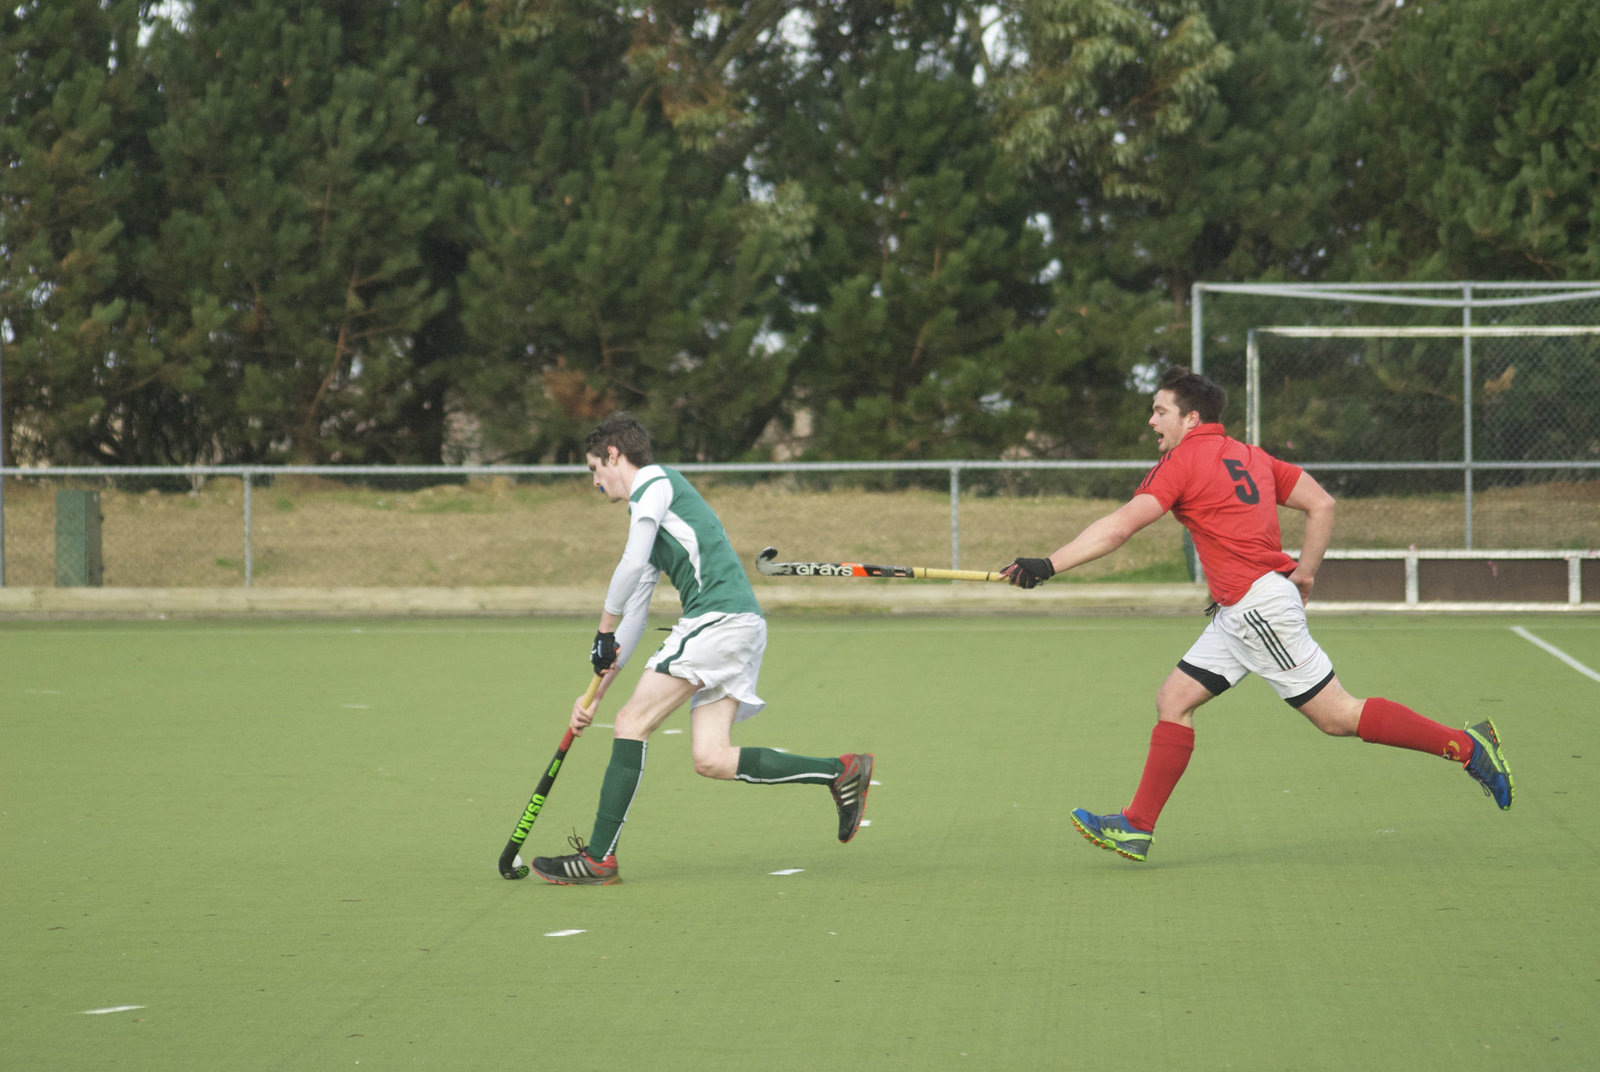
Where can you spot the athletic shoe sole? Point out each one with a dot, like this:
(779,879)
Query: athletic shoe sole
(1110,844)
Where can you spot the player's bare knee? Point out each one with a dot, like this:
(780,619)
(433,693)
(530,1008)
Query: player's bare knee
(1337,718)
(1334,728)
(719,764)
(1179,697)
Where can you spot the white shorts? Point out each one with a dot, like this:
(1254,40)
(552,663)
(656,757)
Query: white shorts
(1265,633)
(721,653)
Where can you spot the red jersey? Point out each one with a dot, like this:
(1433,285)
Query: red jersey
(1226,493)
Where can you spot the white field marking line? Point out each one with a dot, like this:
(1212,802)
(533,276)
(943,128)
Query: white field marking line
(562,934)
(1557,652)
(114,1008)
(787,871)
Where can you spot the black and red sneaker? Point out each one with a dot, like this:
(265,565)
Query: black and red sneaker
(849,791)
(578,868)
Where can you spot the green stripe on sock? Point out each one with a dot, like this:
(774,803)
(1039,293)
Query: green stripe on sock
(617,790)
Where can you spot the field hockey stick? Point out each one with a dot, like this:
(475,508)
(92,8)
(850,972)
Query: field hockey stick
(765,564)
(509,868)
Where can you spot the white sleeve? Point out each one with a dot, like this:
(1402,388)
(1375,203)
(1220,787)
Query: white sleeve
(635,564)
(635,615)
(645,516)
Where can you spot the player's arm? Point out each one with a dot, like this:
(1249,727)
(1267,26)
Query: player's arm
(624,615)
(1311,499)
(1097,540)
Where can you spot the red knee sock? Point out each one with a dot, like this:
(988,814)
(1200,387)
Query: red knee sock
(1171,745)
(1386,722)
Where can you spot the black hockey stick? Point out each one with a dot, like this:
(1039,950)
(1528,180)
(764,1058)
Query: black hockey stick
(765,564)
(509,865)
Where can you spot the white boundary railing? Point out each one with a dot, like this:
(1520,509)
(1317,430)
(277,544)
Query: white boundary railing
(1413,557)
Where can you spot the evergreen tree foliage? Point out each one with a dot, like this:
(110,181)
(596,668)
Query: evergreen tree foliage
(630,277)
(1092,89)
(86,380)
(449,230)
(301,175)
(1237,185)
(922,285)
(1481,142)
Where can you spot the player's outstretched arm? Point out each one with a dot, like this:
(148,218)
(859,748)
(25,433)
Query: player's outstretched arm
(1100,537)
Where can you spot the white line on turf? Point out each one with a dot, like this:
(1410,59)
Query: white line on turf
(787,871)
(114,1008)
(1557,652)
(562,934)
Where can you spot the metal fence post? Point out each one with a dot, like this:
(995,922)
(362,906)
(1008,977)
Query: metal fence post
(955,517)
(247,560)
(1466,404)
(2,467)
(1252,389)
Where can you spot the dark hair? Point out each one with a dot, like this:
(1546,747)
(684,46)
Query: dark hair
(1194,393)
(622,430)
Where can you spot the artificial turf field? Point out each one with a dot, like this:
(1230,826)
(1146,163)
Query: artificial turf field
(271,845)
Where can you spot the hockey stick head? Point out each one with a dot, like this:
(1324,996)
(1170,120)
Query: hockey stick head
(764,562)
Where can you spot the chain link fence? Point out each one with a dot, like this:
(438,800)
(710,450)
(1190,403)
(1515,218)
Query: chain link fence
(546,525)
(1442,415)
(1447,417)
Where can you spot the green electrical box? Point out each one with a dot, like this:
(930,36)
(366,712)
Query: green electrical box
(78,562)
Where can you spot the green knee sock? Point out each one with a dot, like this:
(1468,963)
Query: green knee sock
(616,796)
(768,766)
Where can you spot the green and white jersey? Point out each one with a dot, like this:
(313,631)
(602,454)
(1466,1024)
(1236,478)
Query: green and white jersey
(690,546)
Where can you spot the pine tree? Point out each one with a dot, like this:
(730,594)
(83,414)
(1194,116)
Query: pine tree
(634,280)
(301,177)
(1480,143)
(922,284)
(84,381)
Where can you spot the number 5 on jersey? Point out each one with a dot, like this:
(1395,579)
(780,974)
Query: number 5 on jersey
(1243,486)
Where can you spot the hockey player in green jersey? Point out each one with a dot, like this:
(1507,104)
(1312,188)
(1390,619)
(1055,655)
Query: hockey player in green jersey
(711,657)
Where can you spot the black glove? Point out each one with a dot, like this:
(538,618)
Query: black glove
(604,652)
(1028,572)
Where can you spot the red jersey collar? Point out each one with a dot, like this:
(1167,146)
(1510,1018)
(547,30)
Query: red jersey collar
(1214,428)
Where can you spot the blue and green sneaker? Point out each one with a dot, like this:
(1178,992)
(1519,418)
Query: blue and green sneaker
(1113,832)
(1488,765)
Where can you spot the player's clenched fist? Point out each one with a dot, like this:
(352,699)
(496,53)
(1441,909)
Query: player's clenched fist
(1028,572)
